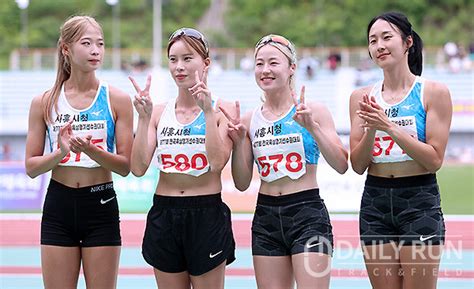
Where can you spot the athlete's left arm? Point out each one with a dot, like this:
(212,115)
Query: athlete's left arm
(324,132)
(439,112)
(118,162)
(218,143)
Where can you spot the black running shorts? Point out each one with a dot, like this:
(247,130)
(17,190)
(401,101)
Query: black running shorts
(80,217)
(291,224)
(192,234)
(405,210)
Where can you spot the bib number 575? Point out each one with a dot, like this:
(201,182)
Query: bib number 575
(78,155)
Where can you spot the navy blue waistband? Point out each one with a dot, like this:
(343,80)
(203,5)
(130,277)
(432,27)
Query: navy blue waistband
(307,195)
(187,201)
(402,182)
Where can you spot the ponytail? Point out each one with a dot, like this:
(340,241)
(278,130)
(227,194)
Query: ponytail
(415,55)
(50,97)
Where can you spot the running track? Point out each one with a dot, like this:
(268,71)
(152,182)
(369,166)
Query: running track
(22,231)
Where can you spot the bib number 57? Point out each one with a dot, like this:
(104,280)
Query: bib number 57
(378,149)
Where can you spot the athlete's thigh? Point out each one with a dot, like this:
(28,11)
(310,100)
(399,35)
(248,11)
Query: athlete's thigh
(211,279)
(383,266)
(273,272)
(166,280)
(420,264)
(100,265)
(312,270)
(60,266)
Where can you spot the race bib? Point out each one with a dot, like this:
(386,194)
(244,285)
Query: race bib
(386,150)
(280,156)
(98,130)
(183,155)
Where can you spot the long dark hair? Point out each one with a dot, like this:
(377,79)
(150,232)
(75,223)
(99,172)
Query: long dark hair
(415,52)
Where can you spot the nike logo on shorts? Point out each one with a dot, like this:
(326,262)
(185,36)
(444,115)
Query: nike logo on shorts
(422,239)
(214,255)
(103,202)
(313,245)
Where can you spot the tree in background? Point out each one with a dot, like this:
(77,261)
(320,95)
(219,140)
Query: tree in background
(344,22)
(316,23)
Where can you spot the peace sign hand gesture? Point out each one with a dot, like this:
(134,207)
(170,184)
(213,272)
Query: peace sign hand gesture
(303,115)
(201,93)
(142,101)
(236,130)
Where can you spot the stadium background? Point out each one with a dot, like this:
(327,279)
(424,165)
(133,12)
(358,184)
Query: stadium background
(27,68)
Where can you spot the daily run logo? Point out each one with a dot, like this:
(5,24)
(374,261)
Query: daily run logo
(420,258)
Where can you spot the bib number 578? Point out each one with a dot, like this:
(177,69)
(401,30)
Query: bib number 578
(292,163)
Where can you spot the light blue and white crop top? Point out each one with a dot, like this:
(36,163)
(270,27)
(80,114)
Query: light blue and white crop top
(181,148)
(96,120)
(409,114)
(281,147)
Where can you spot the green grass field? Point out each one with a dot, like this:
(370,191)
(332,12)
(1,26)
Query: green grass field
(457,189)
(456,185)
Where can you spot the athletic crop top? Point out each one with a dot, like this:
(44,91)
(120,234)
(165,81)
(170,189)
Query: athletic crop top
(409,114)
(181,148)
(281,147)
(95,120)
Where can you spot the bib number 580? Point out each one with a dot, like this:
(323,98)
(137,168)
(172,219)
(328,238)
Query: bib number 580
(182,163)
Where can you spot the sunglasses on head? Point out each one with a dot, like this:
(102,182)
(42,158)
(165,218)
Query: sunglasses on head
(190,32)
(279,42)
(276,39)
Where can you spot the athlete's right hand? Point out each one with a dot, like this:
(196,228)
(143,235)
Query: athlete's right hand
(64,136)
(142,101)
(364,104)
(373,115)
(236,129)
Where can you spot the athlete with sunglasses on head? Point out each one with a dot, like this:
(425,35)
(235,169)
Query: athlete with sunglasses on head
(188,237)
(291,231)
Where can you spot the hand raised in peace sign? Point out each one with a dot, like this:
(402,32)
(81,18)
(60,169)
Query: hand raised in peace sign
(142,101)
(236,129)
(303,115)
(200,92)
